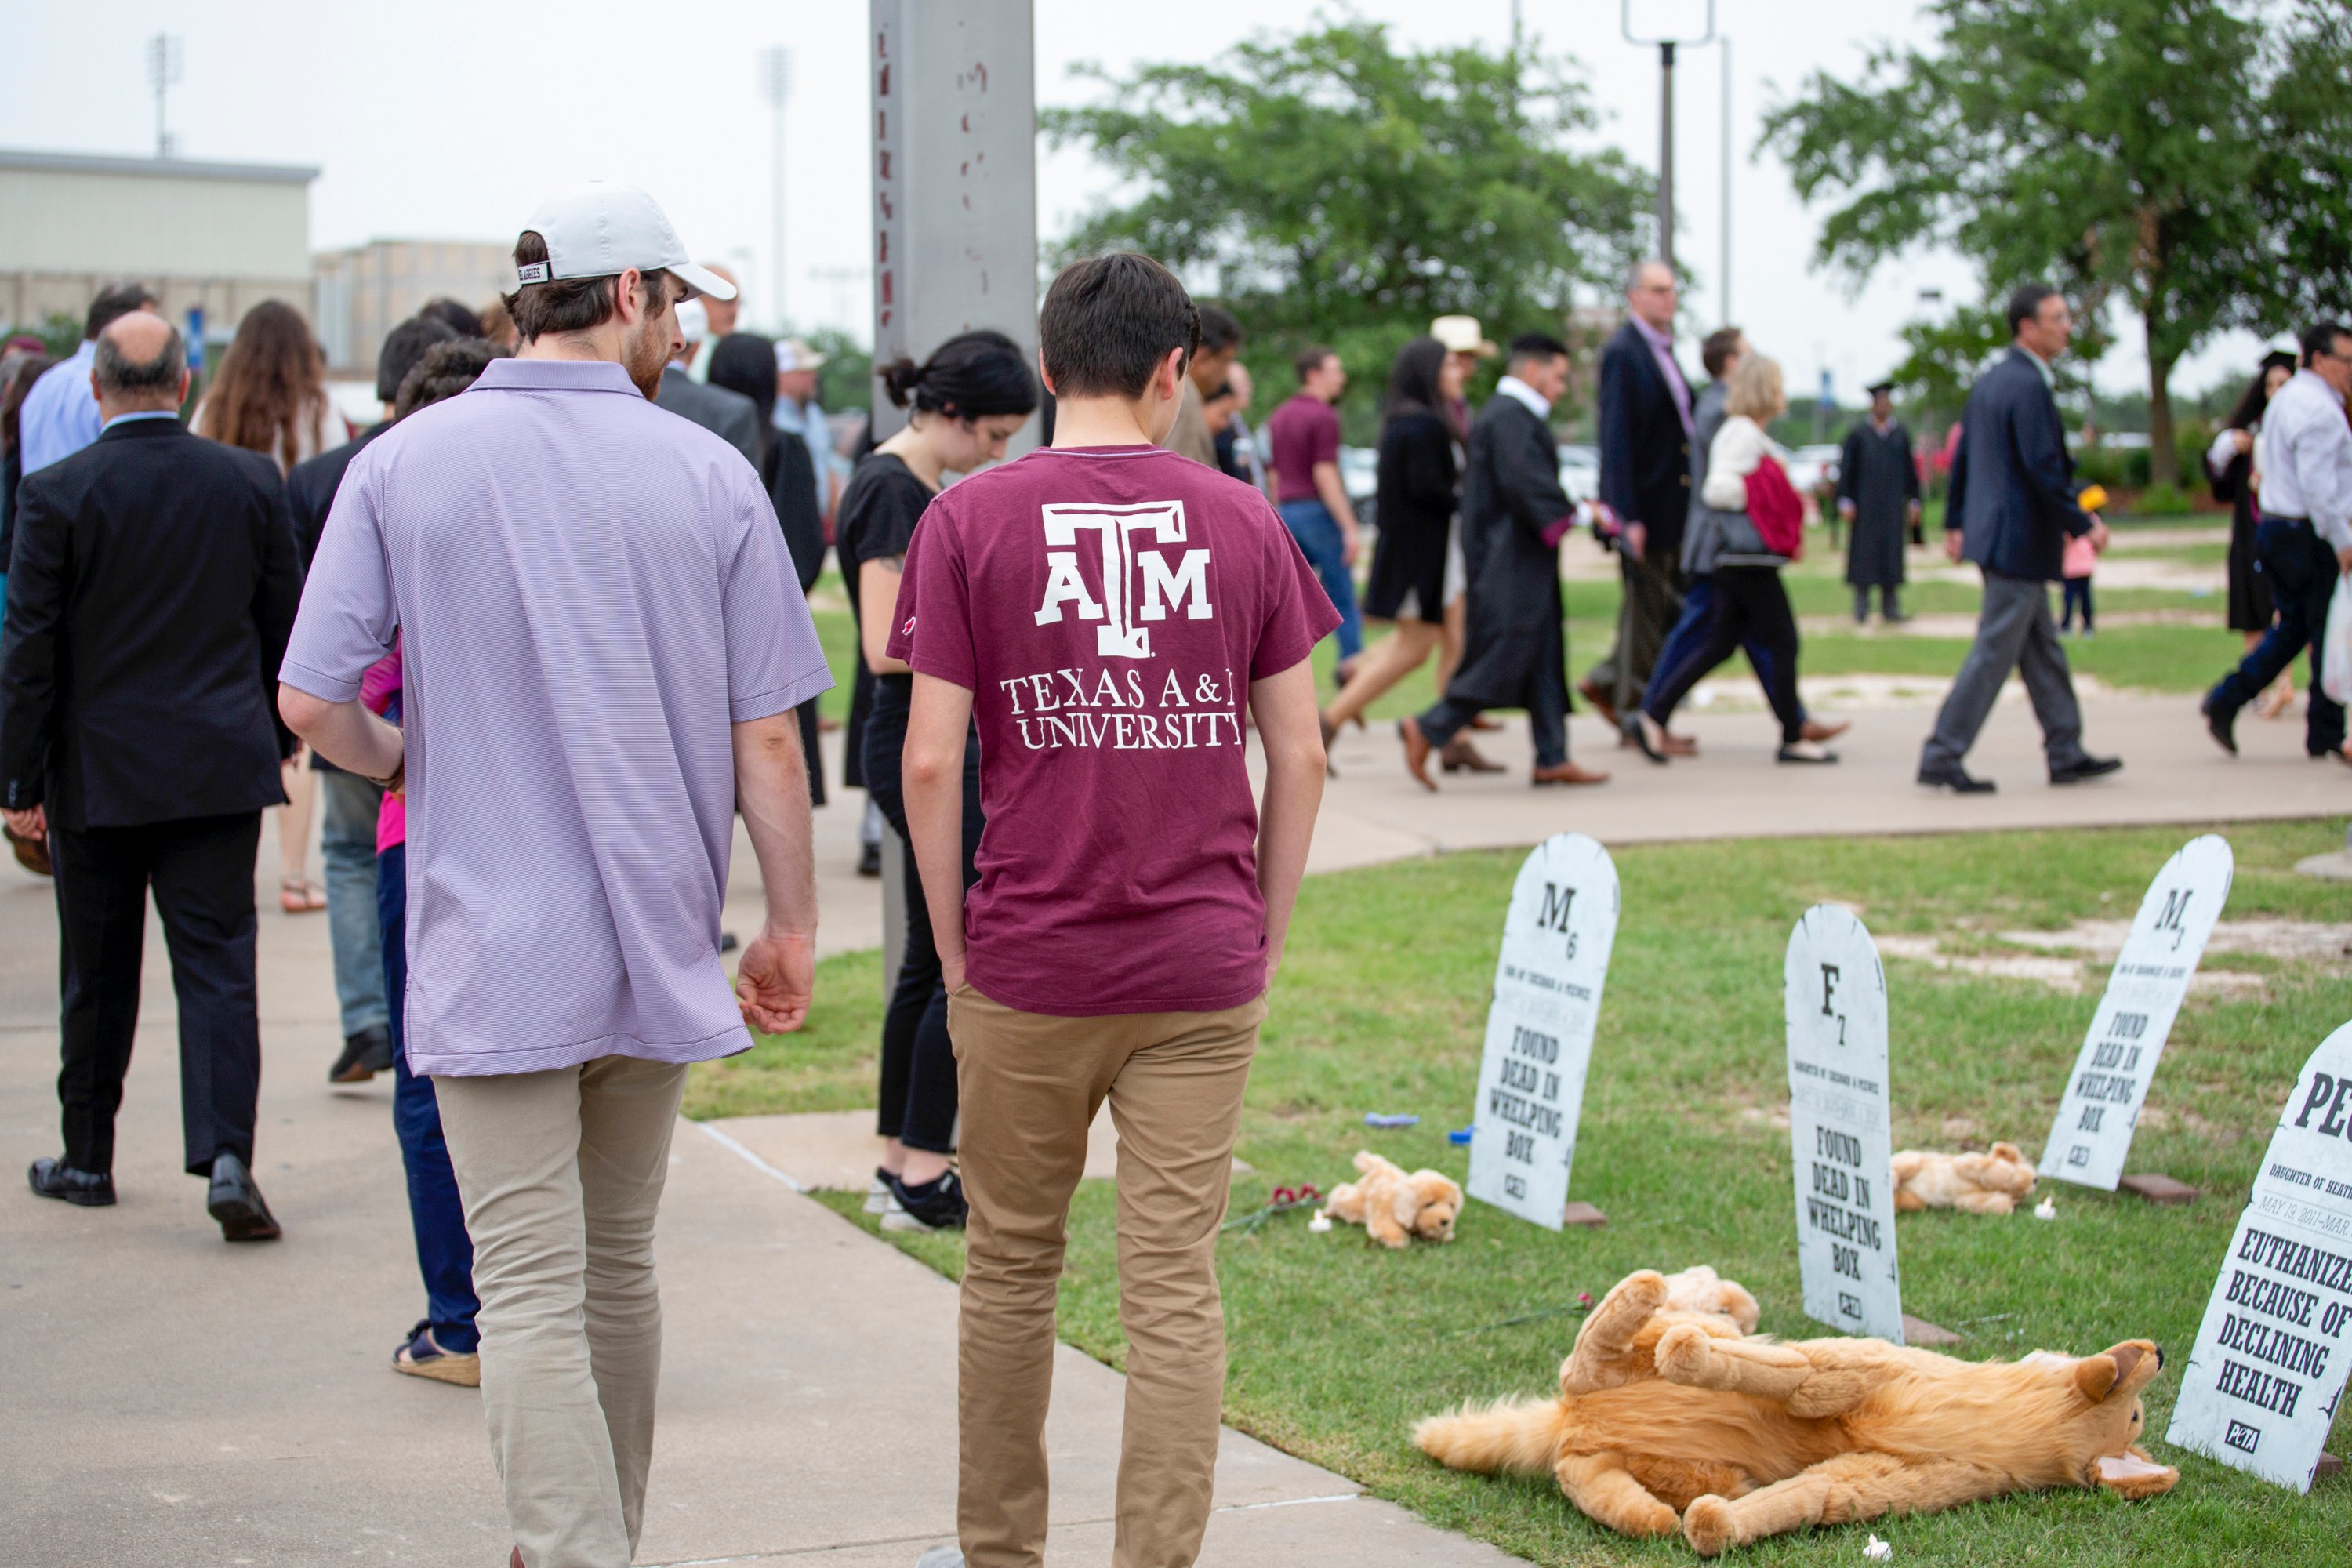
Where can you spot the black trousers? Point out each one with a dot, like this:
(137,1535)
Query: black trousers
(1750,605)
(202,873)
(917,1101)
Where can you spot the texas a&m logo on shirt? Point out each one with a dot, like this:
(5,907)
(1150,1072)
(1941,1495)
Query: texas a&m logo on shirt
(1139,584)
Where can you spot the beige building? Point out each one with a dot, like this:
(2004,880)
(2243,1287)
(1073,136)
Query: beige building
(364,292)
(223,236)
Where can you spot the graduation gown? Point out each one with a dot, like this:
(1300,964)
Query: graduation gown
(1877,474)
(1510,494)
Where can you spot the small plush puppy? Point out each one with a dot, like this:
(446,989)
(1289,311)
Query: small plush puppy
(1395,1207)
(1991,1182)
(1700,1289)
(1669,1420)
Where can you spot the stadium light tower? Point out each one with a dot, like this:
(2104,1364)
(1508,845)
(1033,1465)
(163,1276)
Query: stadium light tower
(1666,43)
(163,66)
(776,88)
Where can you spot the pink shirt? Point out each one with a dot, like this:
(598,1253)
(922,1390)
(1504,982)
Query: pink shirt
(1108,607)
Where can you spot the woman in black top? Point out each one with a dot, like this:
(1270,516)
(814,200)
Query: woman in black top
(963,404)
(2230,468)
(745,363)
(1415,507)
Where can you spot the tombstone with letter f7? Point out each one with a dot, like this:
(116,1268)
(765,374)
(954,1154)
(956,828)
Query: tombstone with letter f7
(2092,1135)
(1556,937)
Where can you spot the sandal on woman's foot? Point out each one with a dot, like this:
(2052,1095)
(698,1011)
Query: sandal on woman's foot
(422,1357)
(1805,752)
(300,896)
(1637,727)
(1458,755)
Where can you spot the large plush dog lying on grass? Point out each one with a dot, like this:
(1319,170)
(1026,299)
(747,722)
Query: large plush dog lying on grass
(1663,1413)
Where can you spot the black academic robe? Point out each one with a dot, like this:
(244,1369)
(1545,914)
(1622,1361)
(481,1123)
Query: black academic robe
(1877,474)
(1510,495)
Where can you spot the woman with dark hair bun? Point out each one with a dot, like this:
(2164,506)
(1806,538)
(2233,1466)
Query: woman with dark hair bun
(963,404)
(1416,570)
(2230,469)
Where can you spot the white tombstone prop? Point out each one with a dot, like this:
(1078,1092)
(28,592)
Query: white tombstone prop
(1839,1125)
(2093,1132)
(2269,1364)
(1555,958)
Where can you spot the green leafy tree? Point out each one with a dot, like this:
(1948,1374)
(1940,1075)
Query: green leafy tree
(2131,151)
(1338,190)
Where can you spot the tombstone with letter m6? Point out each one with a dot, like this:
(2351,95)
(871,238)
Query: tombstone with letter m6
(1556,937)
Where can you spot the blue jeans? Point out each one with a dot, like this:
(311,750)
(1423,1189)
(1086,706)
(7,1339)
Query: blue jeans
(1311,523)
(444,1252)
(2303,578)
(347,841)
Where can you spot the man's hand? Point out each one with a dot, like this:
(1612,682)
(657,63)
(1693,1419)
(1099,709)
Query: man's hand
(1914,511)
(2099,534)
(1952,536)
(951,973)
(2343,564)
(775,979)
(33,825)
(1351,540)
(1637,541)
(1845,510)
(2243,440)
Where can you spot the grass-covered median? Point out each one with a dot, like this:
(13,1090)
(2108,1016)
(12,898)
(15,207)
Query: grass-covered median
(1336,1347)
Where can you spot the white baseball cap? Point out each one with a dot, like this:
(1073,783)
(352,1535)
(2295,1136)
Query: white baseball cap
(601,231)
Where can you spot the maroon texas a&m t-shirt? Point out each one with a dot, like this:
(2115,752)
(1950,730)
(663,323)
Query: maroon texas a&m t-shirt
(1108,607)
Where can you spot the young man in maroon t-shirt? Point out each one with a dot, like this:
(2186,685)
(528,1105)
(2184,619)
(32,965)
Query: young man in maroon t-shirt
(1103,609)
(1303,448)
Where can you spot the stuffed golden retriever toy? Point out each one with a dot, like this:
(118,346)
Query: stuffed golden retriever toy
(1395,1207)
(1663,1412)
(1991,1182)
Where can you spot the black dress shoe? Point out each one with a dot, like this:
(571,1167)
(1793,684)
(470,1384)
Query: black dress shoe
(55,1179)
(365,1053)
(1954,777)
(2222,725)
(869,860)
(2087,768)
(237,1203)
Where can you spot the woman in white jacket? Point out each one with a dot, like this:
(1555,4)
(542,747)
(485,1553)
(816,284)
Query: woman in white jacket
(1749,525)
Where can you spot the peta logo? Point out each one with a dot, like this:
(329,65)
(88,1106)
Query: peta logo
(1139,586)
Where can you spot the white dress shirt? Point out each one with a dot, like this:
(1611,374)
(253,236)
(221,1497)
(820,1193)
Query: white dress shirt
(2305,452)
(1518,391)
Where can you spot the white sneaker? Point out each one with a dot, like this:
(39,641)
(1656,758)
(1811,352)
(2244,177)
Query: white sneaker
(877,1194)
(941,1557)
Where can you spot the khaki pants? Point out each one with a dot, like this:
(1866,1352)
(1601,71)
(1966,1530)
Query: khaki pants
(561,1172)
(1030,1086)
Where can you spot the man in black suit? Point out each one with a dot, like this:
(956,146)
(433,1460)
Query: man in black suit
(347,825)
(729,416)
(2009,508)
(1514,515)
(154,587)
(1644,413)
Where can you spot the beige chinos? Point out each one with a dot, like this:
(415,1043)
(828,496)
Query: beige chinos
(561,1172)
(1030,1086)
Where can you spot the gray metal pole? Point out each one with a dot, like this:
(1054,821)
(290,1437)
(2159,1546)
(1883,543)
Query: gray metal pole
(1666,154)
(1726,183)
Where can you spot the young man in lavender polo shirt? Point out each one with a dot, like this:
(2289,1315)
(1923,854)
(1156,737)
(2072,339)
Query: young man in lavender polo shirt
(603,641)
(1103,609)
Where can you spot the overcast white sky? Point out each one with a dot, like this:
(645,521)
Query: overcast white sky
(427,123)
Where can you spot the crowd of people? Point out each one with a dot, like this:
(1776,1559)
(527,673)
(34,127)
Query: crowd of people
(534,640)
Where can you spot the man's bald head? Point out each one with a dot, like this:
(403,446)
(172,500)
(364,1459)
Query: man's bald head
(141,364)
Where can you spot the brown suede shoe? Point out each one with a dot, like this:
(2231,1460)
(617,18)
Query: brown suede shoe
(1675,745)
(1458,755)
(1567,774)
(1601,704)
(1823,730)
(1416,751)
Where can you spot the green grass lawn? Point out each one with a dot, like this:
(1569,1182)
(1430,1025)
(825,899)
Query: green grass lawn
(1336,1347)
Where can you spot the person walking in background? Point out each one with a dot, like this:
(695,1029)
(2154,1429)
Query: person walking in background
(1878,496)
(1303,437)
(1416,568)
(443,1346)
(270,396)
(1752,524)
(1221,345)
(1132,902)
(59,416)
(745,363)
(2303,541)
(1237,448)
(719,317)
(799,414)
(1467,343)
(2230,469)
(559,559)
(155,584)
(2010,507)
(963,404)
(19,371)
(1514,515)
(726,415)
(1645,460)
(347,829)
(2080,560)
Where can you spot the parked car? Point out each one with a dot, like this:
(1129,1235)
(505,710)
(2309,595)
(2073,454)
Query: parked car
(1812,466)
(1580,471)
